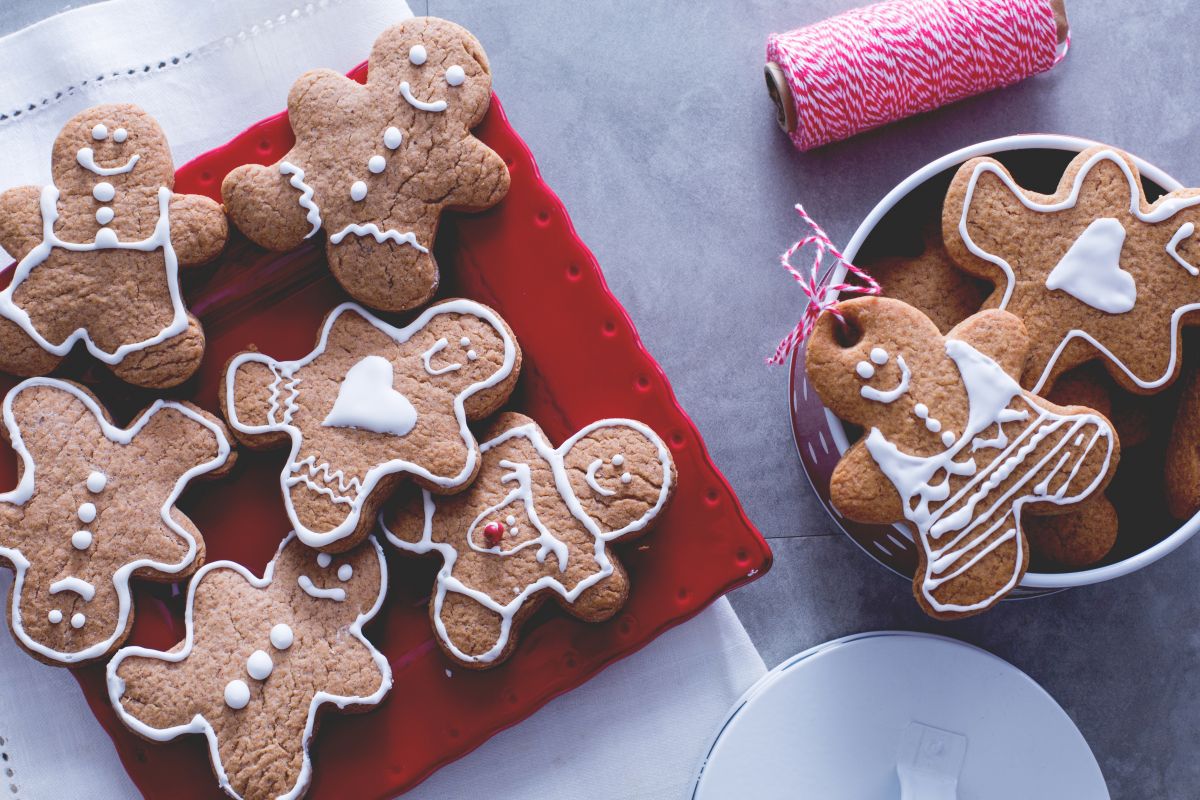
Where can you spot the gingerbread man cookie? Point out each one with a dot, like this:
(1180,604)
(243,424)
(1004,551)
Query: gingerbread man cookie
(954,447)
(261,656)
(94,507)
(372,404)
(99,252)
(536,523)
(376,164)
(1094,270)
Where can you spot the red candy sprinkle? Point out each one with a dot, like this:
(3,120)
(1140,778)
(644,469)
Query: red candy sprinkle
(493,532)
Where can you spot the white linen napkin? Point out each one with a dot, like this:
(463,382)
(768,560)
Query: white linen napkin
(206,70)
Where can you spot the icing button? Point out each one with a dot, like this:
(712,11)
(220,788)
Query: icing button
(493,532)
(104,215)
(376,164)
(81,540)
(392,138)
(358,190)
(259,665)
(87,512)
(282,636)
(237,694)
(104,191)
(96,481)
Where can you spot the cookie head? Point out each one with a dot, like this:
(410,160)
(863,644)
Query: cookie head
(346,582)
(620,473)
(460,350)
(433,66)
(116,144)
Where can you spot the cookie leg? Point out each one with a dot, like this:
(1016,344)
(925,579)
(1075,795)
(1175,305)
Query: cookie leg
(147,691)
(20,354)
(472,628)
(165,364)
(383,275)
(603,599)
(1077,539)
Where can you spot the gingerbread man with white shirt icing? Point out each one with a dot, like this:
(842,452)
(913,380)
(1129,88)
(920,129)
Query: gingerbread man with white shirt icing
(374,165)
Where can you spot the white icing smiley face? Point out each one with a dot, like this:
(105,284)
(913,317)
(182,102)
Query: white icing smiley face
(344,573)
(617,463)
(451,360)
(454,76)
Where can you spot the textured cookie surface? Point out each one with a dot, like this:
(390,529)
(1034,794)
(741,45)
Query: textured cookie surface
(955,447)
(99,251)
(1076,539)
(93,508)
(261,656)
(373,403)
(375,164)
(535,523)
(1094,271)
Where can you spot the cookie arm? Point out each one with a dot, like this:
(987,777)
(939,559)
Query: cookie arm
(482,177)
(267,208)
(313,101)
(199,229)
(999,335)
(861,492)
(147,694)
(20,220)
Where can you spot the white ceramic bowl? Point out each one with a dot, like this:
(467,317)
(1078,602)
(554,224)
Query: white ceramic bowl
(821,437)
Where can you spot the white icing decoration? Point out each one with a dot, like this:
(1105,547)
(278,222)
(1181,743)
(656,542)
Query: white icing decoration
(81,540)
(933,425)
(893,394)
(618,460)
(324,560)
(198,724)
(106,239)
(511,520)
(313,211)
(1164,208)
(345,572)
(546,542)
(472,355)
(433,350)
(865,370)
(392,138)
(96,481)
(237,694)
(120,135)
(591,479)
(879,355)
(259,665)
(358,191)
(435,106)
(104,215)
(78,620)
(921,410)
(376,164)
(161,238)
(1185,232)
(86,157)
(990,393)
(367,400)
(455,75)
(25,488)
(55,617)
(417,54)
(281,636)
(102,191)
(371,229)
(948,438)
(464,341)
(1090,270)
(87,513)
(363,487)
(100,132)
(76,585)
(313,590)
(626,477)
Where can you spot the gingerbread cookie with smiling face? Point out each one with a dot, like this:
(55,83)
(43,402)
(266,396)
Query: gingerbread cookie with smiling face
(375,165)
(536,523)
(1094,270)
(370,405)
(94,507)
(99,252)
(261,657)
(954,447)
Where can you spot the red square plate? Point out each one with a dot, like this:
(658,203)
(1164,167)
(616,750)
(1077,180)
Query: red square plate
(583,361)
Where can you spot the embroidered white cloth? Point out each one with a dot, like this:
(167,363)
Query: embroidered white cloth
(206,70)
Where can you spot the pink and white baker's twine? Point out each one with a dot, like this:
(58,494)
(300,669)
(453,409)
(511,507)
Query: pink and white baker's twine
(878,64)
(822,296)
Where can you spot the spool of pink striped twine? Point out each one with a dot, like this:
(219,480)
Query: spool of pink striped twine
(894,59)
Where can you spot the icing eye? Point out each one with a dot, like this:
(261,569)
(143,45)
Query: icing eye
(472,355)
(865,370)
(120,135)
(464,342)
(345,572)
(455,75)
(100,132)
(323,560)
(618,460)
(417,55)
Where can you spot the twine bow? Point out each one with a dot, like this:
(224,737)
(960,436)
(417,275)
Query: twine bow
(822,296)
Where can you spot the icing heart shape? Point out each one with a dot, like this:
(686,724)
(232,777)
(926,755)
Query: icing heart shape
(367,401)
(1091,269)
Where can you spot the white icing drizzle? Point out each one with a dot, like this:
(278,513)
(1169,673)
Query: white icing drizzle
(434,349)
(198,724)
(364,487)
(337,594)
(1161,210)
(591,479)
(954,531)
(436,106)
(161,238)
(313,214)
(87,159)
(76,585)
(367,400)
(371,229)
(893,394)
(282,636)
(25,488)
(1090,270)
(546,542)
(1185,232)
(304,472)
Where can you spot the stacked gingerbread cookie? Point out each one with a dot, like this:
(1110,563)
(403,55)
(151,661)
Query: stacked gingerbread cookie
(387,431)
(1008,365)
